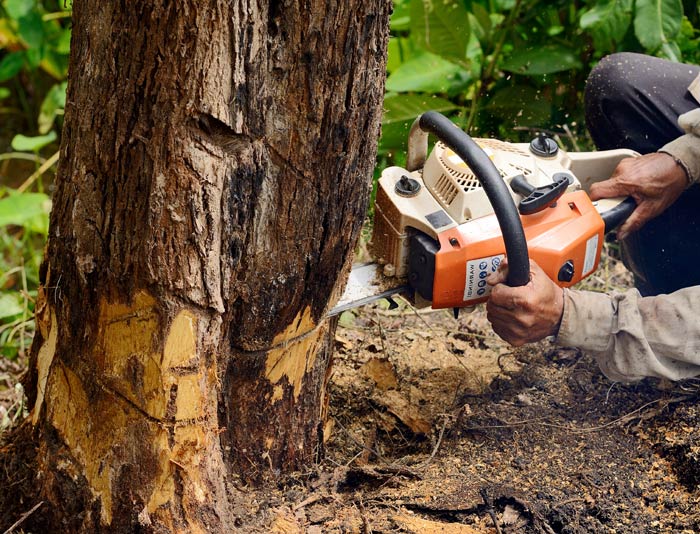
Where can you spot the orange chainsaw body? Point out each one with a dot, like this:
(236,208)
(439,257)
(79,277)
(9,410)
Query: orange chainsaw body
(436,232)
(564,239)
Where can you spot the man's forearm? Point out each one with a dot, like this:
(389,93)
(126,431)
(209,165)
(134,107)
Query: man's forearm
(633,336)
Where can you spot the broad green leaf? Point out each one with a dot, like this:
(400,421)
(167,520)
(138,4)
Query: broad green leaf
(63,42)
(10,65)
(401,17)
(505,5)
(542,60)
(11,304)
(608,22)
(33,56)
(401,108)
(17,9)
(671,51)
(30,210)
(476,29)
(521,105)
(496,19)
(22,143)
(55,64)
(403,49)
(442,27)
(30,28)
(4,93)
(399,113)
(7,33)
(52,105)
(424,73)
(481,15)
(657,21)
(475,55)
(393,54)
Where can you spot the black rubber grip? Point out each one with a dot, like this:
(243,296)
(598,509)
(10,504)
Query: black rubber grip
(495,188)
(521,186)
(614,217)
(538,198)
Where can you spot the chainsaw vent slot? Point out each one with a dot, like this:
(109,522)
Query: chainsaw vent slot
(502,146)
(519,170)
(445,189)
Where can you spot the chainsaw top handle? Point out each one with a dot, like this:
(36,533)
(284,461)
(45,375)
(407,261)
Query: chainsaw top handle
(495,188)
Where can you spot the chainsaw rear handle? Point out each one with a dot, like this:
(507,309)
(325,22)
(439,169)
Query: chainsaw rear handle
(495,188)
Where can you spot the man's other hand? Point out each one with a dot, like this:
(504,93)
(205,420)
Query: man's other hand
(527,313)
(654,180)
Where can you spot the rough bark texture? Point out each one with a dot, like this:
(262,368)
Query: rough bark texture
(215,171)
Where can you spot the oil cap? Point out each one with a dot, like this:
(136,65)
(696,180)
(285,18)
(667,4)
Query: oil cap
(407,187)
(543,146)
(566,272)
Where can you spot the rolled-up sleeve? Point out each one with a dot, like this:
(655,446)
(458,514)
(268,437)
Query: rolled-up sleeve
(631,336)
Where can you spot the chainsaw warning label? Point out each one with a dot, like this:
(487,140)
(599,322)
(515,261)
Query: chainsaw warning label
(475,285)
(591,254)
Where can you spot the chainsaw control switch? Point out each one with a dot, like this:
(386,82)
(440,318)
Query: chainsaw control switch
(543,146)
(566,273)
(538,198)
(407,187)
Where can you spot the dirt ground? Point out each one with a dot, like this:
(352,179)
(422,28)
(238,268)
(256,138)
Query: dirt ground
(437,426)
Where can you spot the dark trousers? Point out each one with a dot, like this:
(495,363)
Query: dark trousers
(633,101)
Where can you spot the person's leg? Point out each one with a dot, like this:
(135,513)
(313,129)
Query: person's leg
(633,101)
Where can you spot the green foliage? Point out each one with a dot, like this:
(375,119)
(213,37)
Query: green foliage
(23,143)
(506,68)
(34,47)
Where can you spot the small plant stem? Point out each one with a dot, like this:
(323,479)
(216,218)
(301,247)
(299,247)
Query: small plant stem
(22,155)
(41,170)
(57,15)
(22,330)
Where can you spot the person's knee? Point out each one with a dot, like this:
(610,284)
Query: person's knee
(610,80)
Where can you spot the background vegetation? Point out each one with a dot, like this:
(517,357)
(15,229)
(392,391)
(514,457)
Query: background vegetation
(502,68)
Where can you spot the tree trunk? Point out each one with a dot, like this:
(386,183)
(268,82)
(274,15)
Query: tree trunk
(215,171)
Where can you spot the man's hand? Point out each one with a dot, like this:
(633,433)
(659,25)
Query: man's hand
(528,313)
(654,180)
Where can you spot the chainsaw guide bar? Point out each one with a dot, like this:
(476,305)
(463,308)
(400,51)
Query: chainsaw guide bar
(367,284)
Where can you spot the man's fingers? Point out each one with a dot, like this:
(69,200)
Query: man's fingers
(497,277)
(608,189)
(635,221)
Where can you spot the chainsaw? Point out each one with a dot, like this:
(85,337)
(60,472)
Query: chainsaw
(447,220)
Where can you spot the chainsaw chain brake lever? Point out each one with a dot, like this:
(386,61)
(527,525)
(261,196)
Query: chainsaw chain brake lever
(538,198)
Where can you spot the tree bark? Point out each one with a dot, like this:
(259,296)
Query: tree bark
(215,171)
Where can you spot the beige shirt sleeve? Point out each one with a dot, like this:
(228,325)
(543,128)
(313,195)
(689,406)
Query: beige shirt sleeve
(632,336)
(686,149)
